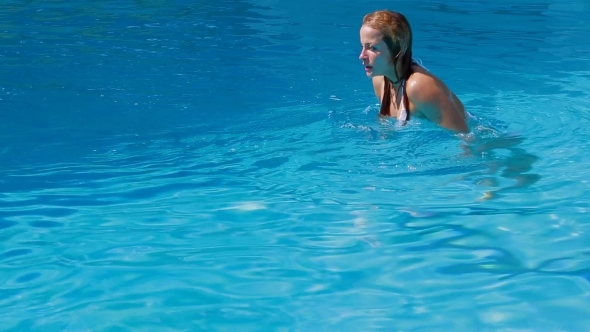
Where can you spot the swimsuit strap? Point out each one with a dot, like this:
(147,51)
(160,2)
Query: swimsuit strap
(386,101)
(403,114)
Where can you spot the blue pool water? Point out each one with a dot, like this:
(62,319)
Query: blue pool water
(219,165)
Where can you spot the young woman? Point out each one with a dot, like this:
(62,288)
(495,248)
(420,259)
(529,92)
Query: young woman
(404,87)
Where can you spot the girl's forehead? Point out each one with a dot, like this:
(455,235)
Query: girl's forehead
(370,35)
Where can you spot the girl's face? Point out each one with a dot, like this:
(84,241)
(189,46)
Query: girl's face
(375,54)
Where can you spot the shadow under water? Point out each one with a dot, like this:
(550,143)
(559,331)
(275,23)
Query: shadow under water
(499,261)
(501,154)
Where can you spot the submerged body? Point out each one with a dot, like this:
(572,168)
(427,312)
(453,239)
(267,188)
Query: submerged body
(404,87)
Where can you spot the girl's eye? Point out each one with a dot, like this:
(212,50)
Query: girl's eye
(371,48)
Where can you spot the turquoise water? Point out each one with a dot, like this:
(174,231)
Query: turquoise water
(182,166)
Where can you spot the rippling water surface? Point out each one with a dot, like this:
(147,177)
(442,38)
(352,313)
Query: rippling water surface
(175,165)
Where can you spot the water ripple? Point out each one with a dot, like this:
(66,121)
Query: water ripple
(177,194)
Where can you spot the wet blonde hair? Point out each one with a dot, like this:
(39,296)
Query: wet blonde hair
(397,35)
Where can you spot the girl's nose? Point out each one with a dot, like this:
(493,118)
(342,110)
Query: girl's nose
(362,55)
